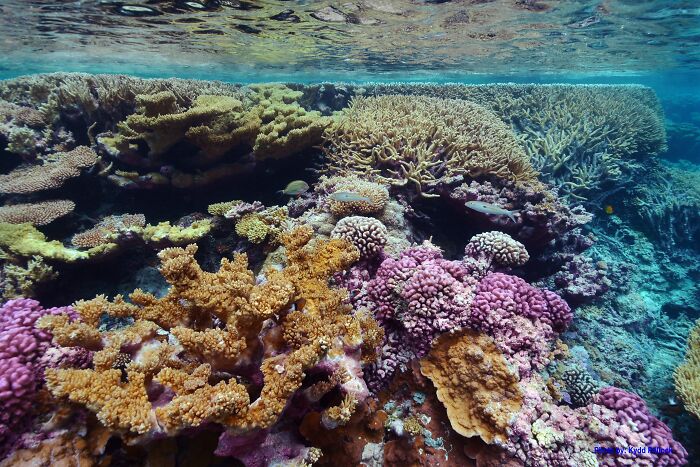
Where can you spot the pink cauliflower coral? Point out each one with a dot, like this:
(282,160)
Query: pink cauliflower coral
(634,426)
(22,347)
(522,318)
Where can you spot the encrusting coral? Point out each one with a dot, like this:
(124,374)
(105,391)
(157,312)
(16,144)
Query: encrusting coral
(687,375)
(421,142)
(217,318)
(24,240)
(475,383)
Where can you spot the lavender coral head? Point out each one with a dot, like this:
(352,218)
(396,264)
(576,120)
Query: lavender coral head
(22,347)
(634,417)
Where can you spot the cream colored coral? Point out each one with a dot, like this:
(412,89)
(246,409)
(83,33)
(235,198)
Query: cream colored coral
(41,213)
(376,196)
(420,142)
(497,246)
(687,375)
(474,383)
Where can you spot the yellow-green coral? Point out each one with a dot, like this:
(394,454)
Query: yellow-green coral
(687,375)
(174,234)
(21,281)
(258,227)
(252,228)
(26,241)
(161,123)
(268,120)
(219,209)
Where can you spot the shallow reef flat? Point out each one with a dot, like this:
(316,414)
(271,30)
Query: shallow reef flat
(206,273)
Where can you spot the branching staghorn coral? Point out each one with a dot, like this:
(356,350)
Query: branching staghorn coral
(422,142)
(209,327)
(582,138)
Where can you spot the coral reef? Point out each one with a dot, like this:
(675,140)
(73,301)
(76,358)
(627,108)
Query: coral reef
(381,316)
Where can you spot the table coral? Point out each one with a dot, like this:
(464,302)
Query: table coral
(51,175)
(431,141)
(687,375)
(475,383)
(39,213)
(172,336)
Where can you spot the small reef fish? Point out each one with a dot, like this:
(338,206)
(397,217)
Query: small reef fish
(295,188)
(348,197)
(609,209)
(488,208)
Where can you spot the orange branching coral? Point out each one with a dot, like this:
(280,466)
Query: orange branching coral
(474,383)
(214,321)
(117,404)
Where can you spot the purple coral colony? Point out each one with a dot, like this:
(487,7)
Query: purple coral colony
(442,288)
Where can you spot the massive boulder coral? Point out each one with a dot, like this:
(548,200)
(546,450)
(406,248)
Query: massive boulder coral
(367,234)
(187,345)
(475,383)
(421,142)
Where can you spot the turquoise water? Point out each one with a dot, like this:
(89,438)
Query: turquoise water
(381,232)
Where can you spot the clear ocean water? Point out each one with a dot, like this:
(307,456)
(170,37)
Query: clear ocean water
(363,233)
